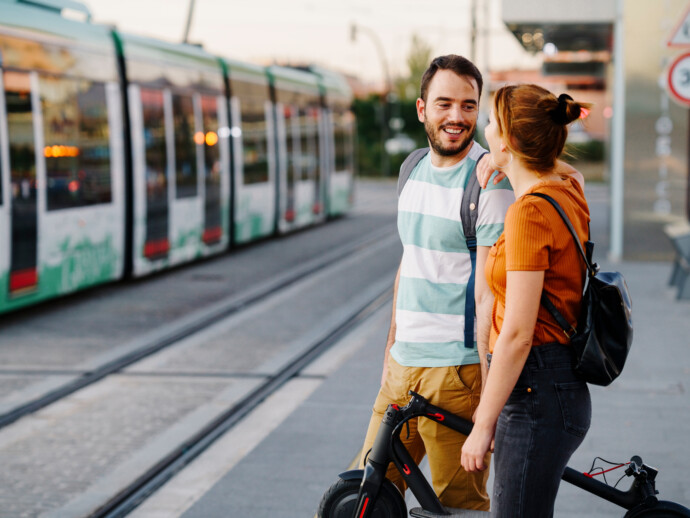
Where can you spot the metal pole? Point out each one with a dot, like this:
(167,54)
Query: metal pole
(618,137)
(485,64)
(473,32)
(190,12)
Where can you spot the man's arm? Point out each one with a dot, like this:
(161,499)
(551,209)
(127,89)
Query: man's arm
(485,168)
(391,332)
(484,301)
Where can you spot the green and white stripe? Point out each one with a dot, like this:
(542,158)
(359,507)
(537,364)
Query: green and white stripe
(436,264)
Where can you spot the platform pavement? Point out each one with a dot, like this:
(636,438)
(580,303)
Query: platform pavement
(644,412)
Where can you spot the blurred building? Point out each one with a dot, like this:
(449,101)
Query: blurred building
(576,40)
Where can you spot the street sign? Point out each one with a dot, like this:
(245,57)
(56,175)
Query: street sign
(680,37)
(679,79)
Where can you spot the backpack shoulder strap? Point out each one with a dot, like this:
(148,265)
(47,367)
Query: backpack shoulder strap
(469,207)
(408,166)
(469,210)
(590,267)
(568,329)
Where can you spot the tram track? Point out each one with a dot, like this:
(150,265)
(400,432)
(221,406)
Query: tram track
(157,340)
(130,497)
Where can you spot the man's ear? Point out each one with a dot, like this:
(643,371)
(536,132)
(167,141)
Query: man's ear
(420,109)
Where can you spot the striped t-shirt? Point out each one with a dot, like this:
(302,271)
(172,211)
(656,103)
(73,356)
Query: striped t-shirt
(436,265)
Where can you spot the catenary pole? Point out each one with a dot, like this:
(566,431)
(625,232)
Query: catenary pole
(190,12)
(618,137)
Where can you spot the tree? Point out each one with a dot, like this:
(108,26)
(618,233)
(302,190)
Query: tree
(417,62)
(401,107)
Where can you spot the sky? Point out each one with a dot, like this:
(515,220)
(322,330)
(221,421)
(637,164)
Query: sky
(319,31)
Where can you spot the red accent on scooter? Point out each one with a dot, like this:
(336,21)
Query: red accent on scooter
(364,507)
(406,470)
(437,416)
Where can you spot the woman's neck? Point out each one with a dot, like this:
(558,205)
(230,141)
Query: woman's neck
(522,179)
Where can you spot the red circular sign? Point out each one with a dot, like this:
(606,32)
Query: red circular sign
(679,79)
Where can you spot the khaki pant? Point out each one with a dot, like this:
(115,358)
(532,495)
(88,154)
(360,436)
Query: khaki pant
(455,389)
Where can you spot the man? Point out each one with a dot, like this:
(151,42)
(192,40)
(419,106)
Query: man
(426,350)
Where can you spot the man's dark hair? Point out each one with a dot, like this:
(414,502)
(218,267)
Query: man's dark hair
(461,66)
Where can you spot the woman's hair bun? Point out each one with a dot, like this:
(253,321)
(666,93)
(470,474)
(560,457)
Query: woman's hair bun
(566,111)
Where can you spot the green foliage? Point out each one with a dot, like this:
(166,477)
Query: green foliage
(369,113)
(590,151)
(417,62)
(372,112)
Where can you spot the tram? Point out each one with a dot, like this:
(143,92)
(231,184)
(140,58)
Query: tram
(122,155)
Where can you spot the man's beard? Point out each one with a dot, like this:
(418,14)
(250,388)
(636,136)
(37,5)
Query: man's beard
(458,147)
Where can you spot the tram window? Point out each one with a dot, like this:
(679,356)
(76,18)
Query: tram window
(254,143)
(154,141)
(76,139)
(309,137)
(342,128)
(185,146)
(340,149)
(21,135)
(252,98)
(209,111)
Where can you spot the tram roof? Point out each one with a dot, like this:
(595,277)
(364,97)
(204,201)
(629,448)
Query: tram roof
(292,77)
(333,83)
(150,49)
(44,20)
(240,70)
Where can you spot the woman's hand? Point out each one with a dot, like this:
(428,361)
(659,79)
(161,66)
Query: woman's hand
(476,445)
(565,169)
(485,168)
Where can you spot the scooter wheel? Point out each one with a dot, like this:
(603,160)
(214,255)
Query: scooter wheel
(340,501)
(662,509)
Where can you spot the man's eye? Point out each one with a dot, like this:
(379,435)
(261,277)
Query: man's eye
(470,108)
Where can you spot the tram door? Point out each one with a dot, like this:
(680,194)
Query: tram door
(23,271)
(292,140)
(157,244)
(313,159)
(298,116)
(213,117)
(254,158)
(151,184)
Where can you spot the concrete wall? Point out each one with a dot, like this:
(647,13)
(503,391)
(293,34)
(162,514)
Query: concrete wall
(656,178)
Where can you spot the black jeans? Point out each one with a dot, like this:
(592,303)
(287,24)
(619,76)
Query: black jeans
(543,422)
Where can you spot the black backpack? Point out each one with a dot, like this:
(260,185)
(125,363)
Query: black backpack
(469,210)
(604,331)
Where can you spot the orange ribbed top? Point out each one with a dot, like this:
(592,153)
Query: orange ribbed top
(535,238)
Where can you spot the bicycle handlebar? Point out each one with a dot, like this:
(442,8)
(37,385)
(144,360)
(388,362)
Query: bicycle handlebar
(642,490)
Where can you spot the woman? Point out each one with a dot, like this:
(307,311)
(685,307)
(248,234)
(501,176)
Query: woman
(533,404)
